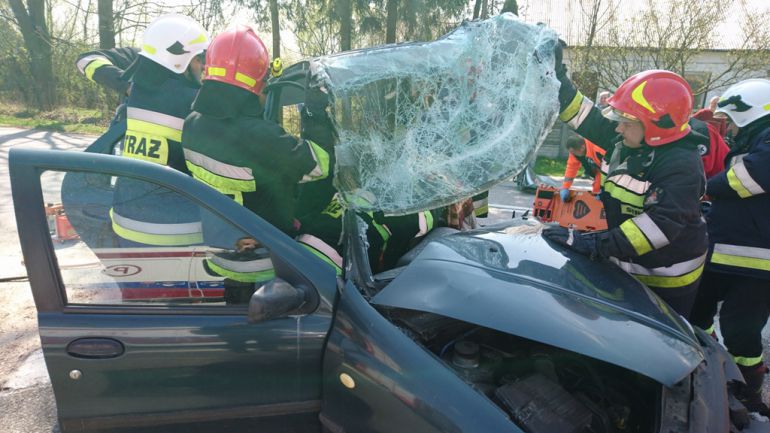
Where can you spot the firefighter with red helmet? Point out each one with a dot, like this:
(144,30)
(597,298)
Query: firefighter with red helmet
(652,182)
(738,267)
(230,147)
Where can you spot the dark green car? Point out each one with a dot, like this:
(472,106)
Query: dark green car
(487,330)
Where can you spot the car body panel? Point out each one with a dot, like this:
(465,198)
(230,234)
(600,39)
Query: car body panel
(399,386)
(511,279)
(169,363)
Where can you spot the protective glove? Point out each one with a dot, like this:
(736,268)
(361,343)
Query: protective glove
(558,52)
(564,194)
(316,101)
(583,243)
(567,90)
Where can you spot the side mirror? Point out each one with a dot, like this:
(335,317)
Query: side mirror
(275,299)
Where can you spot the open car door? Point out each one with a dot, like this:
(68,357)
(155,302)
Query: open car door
(168,358)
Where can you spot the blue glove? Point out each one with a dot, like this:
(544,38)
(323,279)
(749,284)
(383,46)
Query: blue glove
(583,243)
(564,194)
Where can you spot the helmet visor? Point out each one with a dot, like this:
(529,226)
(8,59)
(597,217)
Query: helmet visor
(617,115)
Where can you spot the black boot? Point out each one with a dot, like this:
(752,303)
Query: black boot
(751,394)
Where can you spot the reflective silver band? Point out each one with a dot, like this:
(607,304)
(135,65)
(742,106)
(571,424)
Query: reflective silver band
(134,113)
(651,230)
(83,63)
(674,270)
(583,111)
(217,167)
(257,265)
(423,222)
(322,247)
(736,250)
(627,182)
(156,228)
(317,171)
(745,178)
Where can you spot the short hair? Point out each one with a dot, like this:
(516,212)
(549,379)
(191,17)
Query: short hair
(574,143)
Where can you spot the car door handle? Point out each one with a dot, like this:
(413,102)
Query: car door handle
(95,348)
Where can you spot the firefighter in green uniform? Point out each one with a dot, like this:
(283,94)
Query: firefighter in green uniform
(230,147)
(165,78)
(652,182)
(106,67)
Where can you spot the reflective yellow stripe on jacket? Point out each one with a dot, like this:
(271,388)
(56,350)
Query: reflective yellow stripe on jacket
(225,178)
(629,191)
(156,234)
(643,234)
(741,256)
(250,271)
(322,250)
(321,158)
(677,275)
(740,180)
(89,64)
(148,133)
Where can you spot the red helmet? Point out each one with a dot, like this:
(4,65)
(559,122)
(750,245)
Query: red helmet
(239,58)
(661,100)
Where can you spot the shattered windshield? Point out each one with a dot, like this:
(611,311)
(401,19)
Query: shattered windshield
(423,125)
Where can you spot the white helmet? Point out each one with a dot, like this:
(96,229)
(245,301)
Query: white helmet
(173,40)
(746,101)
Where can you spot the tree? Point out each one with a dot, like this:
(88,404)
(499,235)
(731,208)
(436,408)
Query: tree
(275,27)
(668,35)
(106,25)
(391,21)
(510,6)
(345,8)
(31,21)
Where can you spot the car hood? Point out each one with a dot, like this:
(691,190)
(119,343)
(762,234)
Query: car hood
(511,280)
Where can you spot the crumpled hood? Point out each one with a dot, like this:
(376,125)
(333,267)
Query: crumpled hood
(513,281)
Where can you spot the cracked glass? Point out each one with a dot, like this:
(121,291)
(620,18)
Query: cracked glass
(423,125)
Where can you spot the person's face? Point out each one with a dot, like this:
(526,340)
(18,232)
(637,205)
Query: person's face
(580,151)
(731,128)
(246,244)
(196,68)
(632,133)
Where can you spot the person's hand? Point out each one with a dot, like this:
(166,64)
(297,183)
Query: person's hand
(583,243)
(713,103)
(564,194)
(316,101)
(558,53)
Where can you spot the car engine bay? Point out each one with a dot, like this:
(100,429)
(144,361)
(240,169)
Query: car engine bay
(542,388)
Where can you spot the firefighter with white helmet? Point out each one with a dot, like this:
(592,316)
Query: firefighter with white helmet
(165,79)
(738,266)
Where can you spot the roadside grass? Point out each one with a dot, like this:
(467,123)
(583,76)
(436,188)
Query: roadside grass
(549,166)
(65,119)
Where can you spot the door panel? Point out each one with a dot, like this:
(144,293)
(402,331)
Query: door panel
(187,354)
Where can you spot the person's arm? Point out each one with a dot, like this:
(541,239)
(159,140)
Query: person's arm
(579,112)
(597,185)
(671,201)
(105,67)
(301,160)
(747,178)
(573,165)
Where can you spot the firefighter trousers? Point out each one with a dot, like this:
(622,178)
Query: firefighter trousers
(744,312)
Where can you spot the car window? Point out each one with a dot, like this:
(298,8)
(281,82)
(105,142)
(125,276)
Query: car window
(124,241)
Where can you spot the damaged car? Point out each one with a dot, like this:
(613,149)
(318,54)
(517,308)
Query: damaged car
(486,330)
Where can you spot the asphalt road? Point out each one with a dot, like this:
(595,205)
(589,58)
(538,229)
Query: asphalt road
(26,400)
